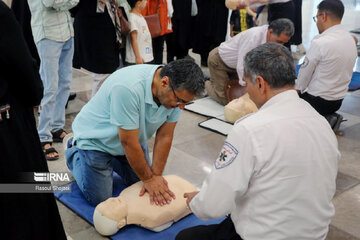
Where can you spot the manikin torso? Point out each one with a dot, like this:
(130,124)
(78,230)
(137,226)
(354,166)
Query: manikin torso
(130,208)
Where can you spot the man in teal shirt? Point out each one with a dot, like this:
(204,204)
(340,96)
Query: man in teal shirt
(111,131)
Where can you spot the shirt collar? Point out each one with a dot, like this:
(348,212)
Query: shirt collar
(331,29)
(149,98)
(281,98)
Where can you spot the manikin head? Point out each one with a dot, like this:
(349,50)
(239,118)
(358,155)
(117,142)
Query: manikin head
(330,13)
(280,31)
(239,108)
(110,215)
(268,70)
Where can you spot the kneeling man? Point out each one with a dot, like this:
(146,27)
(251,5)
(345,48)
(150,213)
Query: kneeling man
(276,172)
(111,131)
(325,75)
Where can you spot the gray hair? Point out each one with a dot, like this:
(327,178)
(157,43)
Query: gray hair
(273,62)
(282,25)
(185,74)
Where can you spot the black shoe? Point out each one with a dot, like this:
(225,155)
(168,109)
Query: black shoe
(334,120)
(72,96)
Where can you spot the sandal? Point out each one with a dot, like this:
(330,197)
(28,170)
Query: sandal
(49,150)
(56,135)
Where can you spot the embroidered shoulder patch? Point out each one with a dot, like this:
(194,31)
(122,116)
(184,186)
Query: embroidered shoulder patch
(227,156)
(305,63)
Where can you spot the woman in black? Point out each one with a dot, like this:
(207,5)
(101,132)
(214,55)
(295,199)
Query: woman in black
(25,215)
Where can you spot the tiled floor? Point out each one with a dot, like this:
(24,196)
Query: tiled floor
(194,149)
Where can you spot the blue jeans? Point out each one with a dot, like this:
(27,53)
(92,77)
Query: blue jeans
(56,74)
(93,171)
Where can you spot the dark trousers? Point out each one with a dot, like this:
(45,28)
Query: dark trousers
(174,50)
(322,106)
(297,38)
(222,231)
(158,49)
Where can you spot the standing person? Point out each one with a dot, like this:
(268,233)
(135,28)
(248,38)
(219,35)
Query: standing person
(94,24)
(25,215)
(276,172)
(111,131)
(23,15)
(138,43)
(53,33)
(325,75)
(228,58)
(161,8)
(210,27)
(297,38)
(241,20)
(179,41)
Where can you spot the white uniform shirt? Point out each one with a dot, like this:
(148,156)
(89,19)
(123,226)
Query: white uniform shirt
(138,23)
(233,51)
(328,65)
(275,174)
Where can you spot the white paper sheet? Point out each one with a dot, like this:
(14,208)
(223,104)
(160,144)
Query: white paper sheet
(207,107)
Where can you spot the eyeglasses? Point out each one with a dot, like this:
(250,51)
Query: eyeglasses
(315,18)
(179,100)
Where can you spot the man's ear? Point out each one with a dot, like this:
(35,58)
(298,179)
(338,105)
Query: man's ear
(165,81)
(261,84)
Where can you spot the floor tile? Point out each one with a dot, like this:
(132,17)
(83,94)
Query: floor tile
(72,223)
(88,234)
(206,148)
(187,128)
(347,215)
(188,167)
(351,104)
(345,182)
(337,234)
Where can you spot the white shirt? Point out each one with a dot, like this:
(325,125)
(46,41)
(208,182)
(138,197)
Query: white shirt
(232,4)
(328,65)
(138,23)
(233,51)
(257,3)
(277,179)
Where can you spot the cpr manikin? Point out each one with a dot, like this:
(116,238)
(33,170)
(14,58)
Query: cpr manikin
(130,208)
(238,108)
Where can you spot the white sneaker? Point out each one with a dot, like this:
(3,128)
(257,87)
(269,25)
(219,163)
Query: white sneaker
(67,138)
(301,49)
(299,52)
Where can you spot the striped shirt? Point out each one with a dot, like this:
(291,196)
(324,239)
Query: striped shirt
(51,19)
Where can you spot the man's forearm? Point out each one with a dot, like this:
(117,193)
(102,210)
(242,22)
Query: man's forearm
(241,4)
(137,161)
(161,152)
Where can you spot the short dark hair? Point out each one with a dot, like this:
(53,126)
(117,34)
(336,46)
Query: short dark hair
(273,62)
(132,3)
(185,74)
(335,7)
(282,25)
